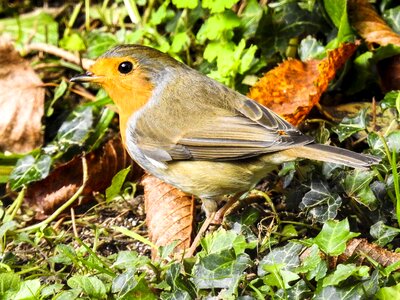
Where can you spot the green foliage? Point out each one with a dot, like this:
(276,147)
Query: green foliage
(272,248)
(333,237)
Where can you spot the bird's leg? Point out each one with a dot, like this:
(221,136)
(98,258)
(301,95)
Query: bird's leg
(219,215)
(213,216)
(210,207)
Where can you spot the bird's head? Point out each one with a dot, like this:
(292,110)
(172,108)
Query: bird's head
(129,74)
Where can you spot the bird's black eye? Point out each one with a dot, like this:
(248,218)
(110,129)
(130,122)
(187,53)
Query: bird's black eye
(125,67)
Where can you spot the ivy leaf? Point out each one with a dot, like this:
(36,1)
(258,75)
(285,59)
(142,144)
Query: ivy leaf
(178,282)
(279,277)
(29,289)
(310,48)
(217,6)
(392,16)
(9,282)
(29,169)
(299,290)
(287,257)
(333,237)
(310,263)
(320,203)
(223,240)
(220,270)
(382,233)
(343,272)
(357,186)
(349,126)
(391,100)
(92,286)
(75,129)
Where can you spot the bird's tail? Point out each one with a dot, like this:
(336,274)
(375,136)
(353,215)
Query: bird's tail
(333,155)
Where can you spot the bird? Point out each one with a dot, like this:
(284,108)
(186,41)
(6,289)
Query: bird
(197,134)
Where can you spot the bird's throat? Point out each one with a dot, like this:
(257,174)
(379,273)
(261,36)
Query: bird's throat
(129,100)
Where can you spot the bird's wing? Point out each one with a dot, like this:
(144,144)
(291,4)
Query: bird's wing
(249,131)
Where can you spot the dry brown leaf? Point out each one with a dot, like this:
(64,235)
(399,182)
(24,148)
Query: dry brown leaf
(370,25)
(21,102)
(47,195)
(294,87)
(169,214)
(361,249)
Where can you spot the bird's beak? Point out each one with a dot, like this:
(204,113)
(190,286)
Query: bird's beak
(86,77)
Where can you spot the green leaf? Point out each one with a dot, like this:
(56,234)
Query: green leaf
(388,293)
(9,282)
(382,233)
(191,4)
(178,282)
(218,27)
(287,257)
(99,42)
(71,294)
(124,283)
(392,16)
(29,169)
(218,6)
(116,184)
(73,42)
(29,290)
(158,16)
(220,270)
(250,18)
(180,42)
(7,226)
(343,272)
(129,259)
(310,262)
(357,186)
(279,277)
(31,28)
(92,286)
(222,240)
(299,290)
(76,128)
(349,126)
(337,11)
(310,48)
(392,140)
(333,237)
(391,100)
(247,59)
(51,290)
(59,91)
(320,203)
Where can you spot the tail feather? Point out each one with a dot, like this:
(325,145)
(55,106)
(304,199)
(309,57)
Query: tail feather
(333,155)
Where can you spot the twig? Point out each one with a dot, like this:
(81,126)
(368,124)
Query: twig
(66,55)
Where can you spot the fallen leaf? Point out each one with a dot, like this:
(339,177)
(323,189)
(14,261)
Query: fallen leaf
(169,214)
(294,87)
(46,195)
(373,28)
(21,102)
(370,25)
(365,251)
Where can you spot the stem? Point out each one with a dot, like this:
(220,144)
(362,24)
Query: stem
(71,200)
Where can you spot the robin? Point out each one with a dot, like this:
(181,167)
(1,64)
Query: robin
(195,133)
